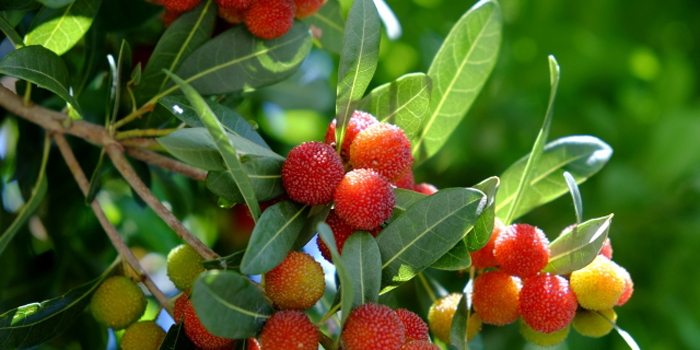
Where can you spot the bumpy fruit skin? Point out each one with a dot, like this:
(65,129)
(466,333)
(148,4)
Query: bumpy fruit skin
(289,329)
(599,285)
(607,250)
(269,19)
(253,344)
(473,326)
(420,345)
(359,121)
(496,296)
(118,302)
(184,265)
(146,335)
(406,181)
(306,8)
(312,172)
(200,336)
(341,232)
(384,148)
(179,5)
(547,303)
(364,199)
(629,287)
(232,15)
(180,306)
(240,5)
(416,328)
(373,327)
(484,258)
(590,324)
(522,250)
(440,316)
(543,339)
(425,188)
(297,283)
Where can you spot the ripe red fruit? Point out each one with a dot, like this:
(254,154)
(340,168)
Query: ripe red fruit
(341,232)
(484,258)
(372,326)
(629,287)
(425,188)
(179,5)
(522,250)
(547,303)
(168,17)
(420,345)
(306,8)
(252,344)
(289,330)
(496,296)
(607,250)
(269,19)
(200,336)
(180,305)
(406,181)
(416,328)
(359,121)
(232,15)
(297,283)
(364,199)
(384,148)
(312,172)
(240,5)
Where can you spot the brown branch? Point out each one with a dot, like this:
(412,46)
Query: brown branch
(109,228)
(167,163)
(326,341)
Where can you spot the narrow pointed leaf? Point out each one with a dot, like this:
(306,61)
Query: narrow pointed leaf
(229,262)
(11,33)
(95,179)
(625,336)
(364,266)
(575,195)
(120,75)
(426,231)
(458,328)
(226,298)
(317,215)
(347,297)
(330,26)
(265,176)
(458,73)
(176,339)
(273,237)
(59,29)
(577,247)
(483,228)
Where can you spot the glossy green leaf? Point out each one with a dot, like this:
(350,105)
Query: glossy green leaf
(575,195)
(229,262)
(120,75)
(404,102)
(582,156)
(11,33)
(426,231)
(59,29)
(265,176)
(458,72)
(577,247)
(236,60)
(41,67)
(317,215)
(364,266)
(458,328)
(176,339)
(457,258)
(404,200)
(223,299)
(347,297)
(273,237)
(55,3)
(186,34)
(329,26)
(481,234)
(358,60)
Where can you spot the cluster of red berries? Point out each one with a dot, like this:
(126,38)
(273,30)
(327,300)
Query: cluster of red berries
(267,19)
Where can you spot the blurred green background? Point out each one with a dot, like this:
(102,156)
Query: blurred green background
(629,77)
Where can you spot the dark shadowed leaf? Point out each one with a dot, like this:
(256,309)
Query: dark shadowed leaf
(6,5)
(265,176)
(347,296)
(55,3)
(577,247)
(59,29)
(95,179)
(458,329)
(317,215)
(230,262)
(484,226)
(330,25)
(364,266)
(176,339)
(11,34)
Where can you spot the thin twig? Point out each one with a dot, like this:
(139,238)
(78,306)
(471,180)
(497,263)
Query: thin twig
(167,163)
(109,228)
(326,341)
(135,114)
(27,101)
(143,133)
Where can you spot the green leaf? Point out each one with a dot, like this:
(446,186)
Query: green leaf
(233,122)
(176,339)
(189,31)
(236,60)
(625,336)
(426,231)
(273,237)
(582,156)
(533,161)
(404,102)
(10,33)
(458,328)
(575,195)
(196,147)
(265,176)
(41,67)
(120,71)
(37,195)
(457,258)
(576,248)
(364,266)
(229,305)
(317,215)
(20,5)
(458,72)
(95,179)
(347,297)
(59,29)
(230,262)
(358,60)
(484,226)
(404,200)
(330,25)
(55,3)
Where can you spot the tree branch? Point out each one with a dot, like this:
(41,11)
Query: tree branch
(167,163)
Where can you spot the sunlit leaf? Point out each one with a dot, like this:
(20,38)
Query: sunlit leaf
(59,29)
(347,295)
(364,266)
(330,26)
(577,247)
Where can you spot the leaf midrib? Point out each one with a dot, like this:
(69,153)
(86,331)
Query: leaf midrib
(279,231)
(400,108)
(231,306)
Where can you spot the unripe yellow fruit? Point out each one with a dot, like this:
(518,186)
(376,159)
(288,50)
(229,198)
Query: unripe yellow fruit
(118,302)
(599,285)
(184,265)
(440,316)
(473,326)
(543,339)
(590,324)
(146,335)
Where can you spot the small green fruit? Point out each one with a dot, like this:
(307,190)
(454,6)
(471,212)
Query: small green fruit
(118,302)
(146,335)
(184,265)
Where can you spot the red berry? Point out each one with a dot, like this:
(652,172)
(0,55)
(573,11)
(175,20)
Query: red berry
(306,8)
(289,330)
(200,336)
(495,297)
(232,15)
(358,122)
(168,17)
(364,199)
(341,232)
(179,5)
(269,19)
(372,326)
(297,283)
(180,305)
(420,345)
(629,286)
(416,328)
(484,258)
(312,172)
(425,188)
(607,250)
(384,148)
(240,5)
(522,250)
(406,181)
(547,303)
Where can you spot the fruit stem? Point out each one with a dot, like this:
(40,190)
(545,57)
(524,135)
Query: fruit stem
(27,101)
(423,281)
(330,313)
(143,133)
(326,341)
